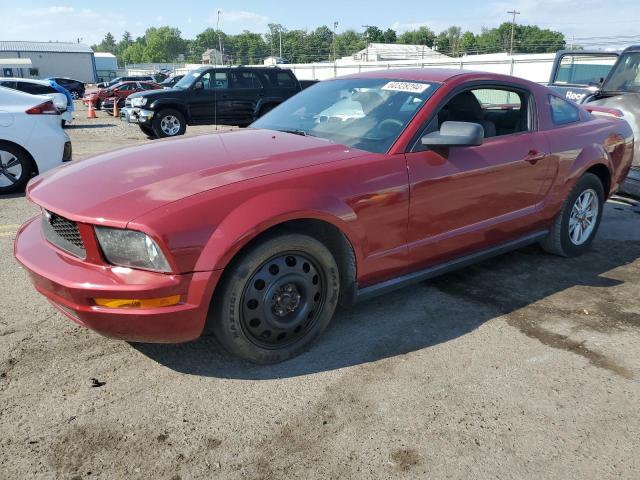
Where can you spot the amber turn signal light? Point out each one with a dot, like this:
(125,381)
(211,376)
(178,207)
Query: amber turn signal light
(137,303)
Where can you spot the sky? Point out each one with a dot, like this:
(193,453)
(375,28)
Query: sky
(67,20)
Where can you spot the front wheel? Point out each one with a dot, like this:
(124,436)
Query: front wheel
(15,168)
(148,131)
(577,223)
(74,94)
(169,123)
(276,299)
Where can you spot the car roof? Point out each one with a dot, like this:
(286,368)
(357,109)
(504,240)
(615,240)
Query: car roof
(439,75)
(26,80)
(632,48)
(415,74)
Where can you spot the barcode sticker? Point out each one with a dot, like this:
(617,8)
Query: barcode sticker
(410,87)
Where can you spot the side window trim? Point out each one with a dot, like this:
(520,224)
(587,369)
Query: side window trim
(532,113)
(564,102)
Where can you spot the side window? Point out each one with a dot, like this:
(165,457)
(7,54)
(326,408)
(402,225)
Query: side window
(212,80)
(284,80)
(35,89)
(500,111)
(280,79)
(245,80)
(8,84)
(562,111)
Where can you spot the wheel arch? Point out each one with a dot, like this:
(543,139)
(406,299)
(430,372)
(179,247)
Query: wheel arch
(326,233)
(160,105)
(36,171)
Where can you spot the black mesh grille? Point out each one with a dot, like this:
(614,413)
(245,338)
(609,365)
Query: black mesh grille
(63,233)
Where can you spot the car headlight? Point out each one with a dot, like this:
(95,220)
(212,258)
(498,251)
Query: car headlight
(139,101)
(129,248)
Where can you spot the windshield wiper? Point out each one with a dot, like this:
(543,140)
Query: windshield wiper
(296,131)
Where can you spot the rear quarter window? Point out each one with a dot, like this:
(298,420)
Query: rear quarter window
(562,111)
(281,79)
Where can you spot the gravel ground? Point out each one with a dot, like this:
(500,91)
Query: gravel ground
(525,366)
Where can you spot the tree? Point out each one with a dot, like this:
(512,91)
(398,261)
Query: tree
(468,43)
(422,36)
(348,43)
(108,44)
(374,34)
(163,44)
(390,36)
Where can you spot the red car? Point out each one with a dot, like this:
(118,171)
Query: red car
(354,187)
(120,90)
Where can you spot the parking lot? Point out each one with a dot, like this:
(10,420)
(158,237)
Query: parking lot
(525,366)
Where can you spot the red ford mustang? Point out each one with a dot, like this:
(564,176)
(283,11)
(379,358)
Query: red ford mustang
(354,187)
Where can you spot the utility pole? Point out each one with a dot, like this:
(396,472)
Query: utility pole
(366,38)
(219,38)
(513,26)
(335,27)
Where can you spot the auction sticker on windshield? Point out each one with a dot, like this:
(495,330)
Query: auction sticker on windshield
(409,87)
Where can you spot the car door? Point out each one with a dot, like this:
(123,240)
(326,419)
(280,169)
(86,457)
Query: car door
(469,197)
(210,102)
(245,91)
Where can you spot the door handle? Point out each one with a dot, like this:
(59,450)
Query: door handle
(534,157)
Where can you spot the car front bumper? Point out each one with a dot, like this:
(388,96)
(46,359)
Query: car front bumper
(72,284)
(137,115)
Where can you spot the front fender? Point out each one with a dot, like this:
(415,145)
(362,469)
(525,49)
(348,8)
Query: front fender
(174,103)
(258,214)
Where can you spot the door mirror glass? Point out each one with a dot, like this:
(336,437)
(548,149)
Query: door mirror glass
(455,134)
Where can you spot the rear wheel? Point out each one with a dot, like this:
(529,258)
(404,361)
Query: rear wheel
(577,223)
(15,168)
(148,131)
(75,94)
(276,299)
(169,123)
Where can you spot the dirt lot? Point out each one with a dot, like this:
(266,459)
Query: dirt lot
(525,366)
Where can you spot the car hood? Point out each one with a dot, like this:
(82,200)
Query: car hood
(629,104)
(117,187)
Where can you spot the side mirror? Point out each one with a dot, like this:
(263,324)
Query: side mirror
(455,134)
(199,85)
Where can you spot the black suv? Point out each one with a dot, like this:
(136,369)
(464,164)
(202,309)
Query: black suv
(75,87)
(208,96)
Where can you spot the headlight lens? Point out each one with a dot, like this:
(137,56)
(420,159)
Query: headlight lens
(139,101)
(129,248)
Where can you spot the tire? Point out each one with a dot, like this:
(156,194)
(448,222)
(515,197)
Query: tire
(167,121)
(562,239)
(75,94)
(98,105)
(16,168)
(148,131)
(276,299)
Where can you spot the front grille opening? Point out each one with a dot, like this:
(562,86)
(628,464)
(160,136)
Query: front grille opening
(63,233)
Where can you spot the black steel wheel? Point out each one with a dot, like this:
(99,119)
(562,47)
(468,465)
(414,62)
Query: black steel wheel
(276,299)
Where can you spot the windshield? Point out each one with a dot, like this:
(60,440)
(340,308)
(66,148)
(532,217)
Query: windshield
(188,80)
(364,113)
(625,76)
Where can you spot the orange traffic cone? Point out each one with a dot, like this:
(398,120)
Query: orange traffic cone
(91,113)
(116,111)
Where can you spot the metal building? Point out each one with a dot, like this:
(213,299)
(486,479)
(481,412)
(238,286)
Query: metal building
(48,59)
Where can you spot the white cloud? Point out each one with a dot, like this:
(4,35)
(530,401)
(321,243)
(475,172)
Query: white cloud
(159,18)
(240,20)
(45,11)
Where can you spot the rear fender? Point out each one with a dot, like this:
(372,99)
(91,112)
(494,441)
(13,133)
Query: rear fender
(262,212)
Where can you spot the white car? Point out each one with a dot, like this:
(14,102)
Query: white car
(41,88)
(32,140)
